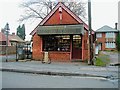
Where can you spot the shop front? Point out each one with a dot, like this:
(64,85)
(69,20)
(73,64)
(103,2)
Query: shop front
(63,42)
(61,34)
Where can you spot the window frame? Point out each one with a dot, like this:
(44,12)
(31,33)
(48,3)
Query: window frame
(98,35)
(110,45)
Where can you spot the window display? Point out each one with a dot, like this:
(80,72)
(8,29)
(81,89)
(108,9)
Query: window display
(56,43)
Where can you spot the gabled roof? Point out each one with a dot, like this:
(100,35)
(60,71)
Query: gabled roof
(106,29)
(53,11)
(15,38)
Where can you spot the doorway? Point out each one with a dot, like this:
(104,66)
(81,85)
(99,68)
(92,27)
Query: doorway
(100,46)
(76,47)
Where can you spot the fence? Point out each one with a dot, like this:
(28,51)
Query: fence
(11,50)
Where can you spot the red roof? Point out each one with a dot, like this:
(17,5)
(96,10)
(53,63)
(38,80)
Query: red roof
(13,38)
(53,11)
(2,37)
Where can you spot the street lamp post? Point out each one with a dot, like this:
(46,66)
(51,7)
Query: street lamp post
(7,31)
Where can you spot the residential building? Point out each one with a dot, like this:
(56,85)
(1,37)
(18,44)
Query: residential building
(106,38)
(13,41)
(62,34)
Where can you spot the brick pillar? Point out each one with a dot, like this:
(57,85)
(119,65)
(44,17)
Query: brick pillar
(37,47)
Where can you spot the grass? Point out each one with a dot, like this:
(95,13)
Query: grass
(99,62)
(102,60)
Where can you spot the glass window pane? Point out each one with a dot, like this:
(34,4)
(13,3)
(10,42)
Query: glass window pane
(56,43)
(77,41)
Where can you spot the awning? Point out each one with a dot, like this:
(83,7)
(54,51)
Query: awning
(60,29)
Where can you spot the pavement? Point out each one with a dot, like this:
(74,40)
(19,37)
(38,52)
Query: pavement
(60,68)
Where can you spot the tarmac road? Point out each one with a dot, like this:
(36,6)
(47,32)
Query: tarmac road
(21,80)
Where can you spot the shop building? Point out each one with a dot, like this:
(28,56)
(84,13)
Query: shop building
(62,34)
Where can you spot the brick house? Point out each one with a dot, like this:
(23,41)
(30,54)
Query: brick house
(61,33)
(13,40)
(106,38)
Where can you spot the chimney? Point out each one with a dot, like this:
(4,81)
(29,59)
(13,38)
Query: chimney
(116,26)
(13,33)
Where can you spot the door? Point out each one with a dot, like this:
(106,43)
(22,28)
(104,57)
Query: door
(77,47)
(100,46)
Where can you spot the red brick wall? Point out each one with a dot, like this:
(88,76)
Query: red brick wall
(102,40)
(66,19)
(37,47)
(59,56)
(85,47)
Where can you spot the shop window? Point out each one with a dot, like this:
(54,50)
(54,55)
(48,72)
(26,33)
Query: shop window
(56,43)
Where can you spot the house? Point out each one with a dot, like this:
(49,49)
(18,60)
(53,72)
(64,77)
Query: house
(13,40)
(62,34)
(106,38)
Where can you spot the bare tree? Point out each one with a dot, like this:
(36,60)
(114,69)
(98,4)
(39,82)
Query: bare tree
(35,9)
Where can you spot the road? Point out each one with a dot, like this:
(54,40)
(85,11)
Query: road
(21,80)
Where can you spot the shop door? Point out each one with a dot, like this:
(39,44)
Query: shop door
(77,47)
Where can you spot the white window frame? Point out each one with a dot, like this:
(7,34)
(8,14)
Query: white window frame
(110,45)
(99,35)
(110,35)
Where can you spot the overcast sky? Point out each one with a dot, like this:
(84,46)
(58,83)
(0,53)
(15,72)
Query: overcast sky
(104,12)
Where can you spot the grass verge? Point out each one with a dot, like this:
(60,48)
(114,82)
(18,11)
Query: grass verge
(102,60)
